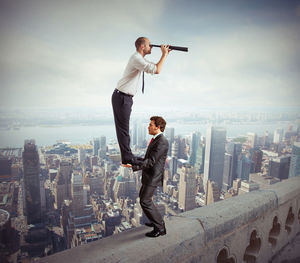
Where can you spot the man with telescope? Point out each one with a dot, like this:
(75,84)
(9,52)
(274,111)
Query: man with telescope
(127,87)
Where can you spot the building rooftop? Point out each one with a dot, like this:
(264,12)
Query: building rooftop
(232,230)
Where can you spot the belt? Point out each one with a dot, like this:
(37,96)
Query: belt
(118,91)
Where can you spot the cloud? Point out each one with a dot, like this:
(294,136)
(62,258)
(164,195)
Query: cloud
(60,55)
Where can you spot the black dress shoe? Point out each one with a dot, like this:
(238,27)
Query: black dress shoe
(128,161)
(149,224)
(156,233)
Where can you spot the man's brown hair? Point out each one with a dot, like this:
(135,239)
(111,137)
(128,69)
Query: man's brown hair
(139,41)
(159,121)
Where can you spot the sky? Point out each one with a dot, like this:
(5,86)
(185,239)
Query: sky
(71,54)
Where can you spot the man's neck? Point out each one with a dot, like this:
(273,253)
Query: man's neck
(141,52)
(155,135)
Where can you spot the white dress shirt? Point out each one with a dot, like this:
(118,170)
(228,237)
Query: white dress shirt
(131,76)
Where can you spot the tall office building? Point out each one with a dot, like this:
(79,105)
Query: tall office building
(172,162)
(200,157)
(62,184)
(243,167)
(170,132)
(278,135)
(187,188)
(31,166)
(141,138)
(279,167)
(214,156)
(178,148)
(256,157)
(102,149)
(235,150)
(194,147)
(252,139)
(77,215)
(265,140)
(81,155)
(174,151)
(295,160)
(133,138)
(227,173)
(212,193)
(77,194)
(5,168)
(96,146)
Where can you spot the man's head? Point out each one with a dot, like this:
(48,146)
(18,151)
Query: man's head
(142,45)
(157,124)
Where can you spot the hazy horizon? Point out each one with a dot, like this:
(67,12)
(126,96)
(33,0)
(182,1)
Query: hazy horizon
(71,54)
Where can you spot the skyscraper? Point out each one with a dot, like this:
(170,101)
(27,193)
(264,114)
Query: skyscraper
(141,139)
(278,135)
(214,156)
(31,167)
(256,157)
(173,165)
(279,167)
(243,167)
(234,149)
(78,215)
(77,194)
(96,146)
(81,155)
(200,156)
(62,184)
(102,149)
(187,188)
(194,147)
(295,160)
(227,173)
(252,139)
(170,136)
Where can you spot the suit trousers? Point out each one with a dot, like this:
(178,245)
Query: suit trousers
(122,105)
(150,210)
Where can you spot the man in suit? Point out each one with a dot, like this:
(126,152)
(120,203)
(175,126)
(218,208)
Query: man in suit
(127,87)
(152,166)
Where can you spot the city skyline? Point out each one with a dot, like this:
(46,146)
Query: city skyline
(71,54)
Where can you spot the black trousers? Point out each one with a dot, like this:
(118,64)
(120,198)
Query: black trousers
(150,210)
(122,105)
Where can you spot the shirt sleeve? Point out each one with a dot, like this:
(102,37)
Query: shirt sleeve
(144,65)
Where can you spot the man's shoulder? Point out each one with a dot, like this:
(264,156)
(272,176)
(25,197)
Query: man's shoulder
(162,138)
(136,55)
(136,58)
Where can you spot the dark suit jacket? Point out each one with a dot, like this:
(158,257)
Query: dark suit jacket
(153,163)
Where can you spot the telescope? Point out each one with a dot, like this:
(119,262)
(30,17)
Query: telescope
(185,49)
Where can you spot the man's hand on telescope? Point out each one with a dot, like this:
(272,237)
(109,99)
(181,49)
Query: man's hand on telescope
(165,49)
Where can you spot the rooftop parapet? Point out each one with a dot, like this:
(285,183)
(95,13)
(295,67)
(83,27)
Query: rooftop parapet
(253,227)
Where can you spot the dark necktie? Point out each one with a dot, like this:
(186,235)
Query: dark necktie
(151,141)
(143,83)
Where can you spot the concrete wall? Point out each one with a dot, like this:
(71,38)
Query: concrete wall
(252,227)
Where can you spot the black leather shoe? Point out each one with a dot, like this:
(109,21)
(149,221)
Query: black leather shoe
(149,224)
(156,233)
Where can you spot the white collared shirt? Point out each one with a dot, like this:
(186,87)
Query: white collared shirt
(132,73)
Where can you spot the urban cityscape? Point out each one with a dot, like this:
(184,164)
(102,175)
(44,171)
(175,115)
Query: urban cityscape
(231,184)
(60,196)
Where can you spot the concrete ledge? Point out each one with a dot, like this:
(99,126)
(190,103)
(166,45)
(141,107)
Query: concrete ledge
(201,234)
(287,190)
(228,215)
(183,237)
